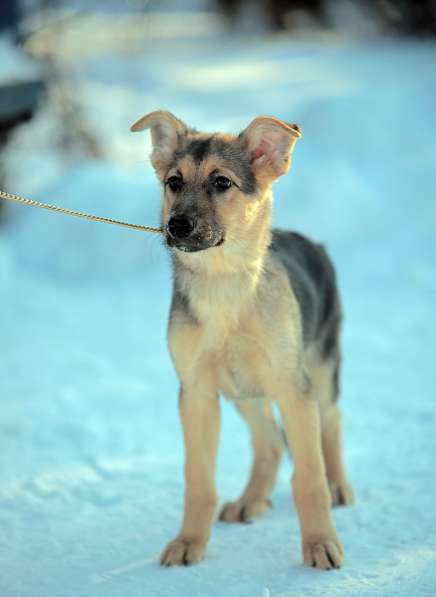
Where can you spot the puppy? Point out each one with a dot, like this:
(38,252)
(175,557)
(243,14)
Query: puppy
(255,316)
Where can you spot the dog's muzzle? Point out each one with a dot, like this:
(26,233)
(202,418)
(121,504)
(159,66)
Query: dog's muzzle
(184,234)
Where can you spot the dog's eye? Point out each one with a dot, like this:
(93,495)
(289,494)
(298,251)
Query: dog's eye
(175,183)
(222,183)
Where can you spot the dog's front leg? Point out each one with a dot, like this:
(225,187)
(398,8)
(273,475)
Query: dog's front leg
(301,420)
(200,415)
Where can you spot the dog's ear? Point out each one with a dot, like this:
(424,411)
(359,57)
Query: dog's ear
(166,131)
(269,143)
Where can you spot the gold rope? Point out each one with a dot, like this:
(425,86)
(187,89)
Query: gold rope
(77,214)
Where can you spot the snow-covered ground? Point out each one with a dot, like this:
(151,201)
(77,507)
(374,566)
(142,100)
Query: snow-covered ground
(90,447)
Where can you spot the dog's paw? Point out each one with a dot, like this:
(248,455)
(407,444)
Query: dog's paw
(243,510)
(324,554)
(182,552)
(342,494)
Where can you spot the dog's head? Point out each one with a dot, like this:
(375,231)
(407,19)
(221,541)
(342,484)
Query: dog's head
(214,184)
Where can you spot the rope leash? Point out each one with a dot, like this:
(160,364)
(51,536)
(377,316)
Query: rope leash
(76,214)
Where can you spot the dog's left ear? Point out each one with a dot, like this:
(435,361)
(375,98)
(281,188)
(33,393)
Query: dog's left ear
(269,143)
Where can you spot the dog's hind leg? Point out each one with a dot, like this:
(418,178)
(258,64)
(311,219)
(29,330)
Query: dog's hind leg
(341,492)
(325,387)
(268,446)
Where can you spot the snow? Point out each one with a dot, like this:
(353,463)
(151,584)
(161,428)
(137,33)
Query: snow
(90,445)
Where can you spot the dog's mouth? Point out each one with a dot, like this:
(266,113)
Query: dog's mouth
(193,246)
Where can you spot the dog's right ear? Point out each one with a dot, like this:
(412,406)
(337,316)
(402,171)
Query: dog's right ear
(166,131)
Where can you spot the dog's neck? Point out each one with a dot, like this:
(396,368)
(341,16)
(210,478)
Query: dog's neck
(221,282)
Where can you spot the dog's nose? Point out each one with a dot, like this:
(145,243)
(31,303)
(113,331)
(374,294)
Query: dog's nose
(180,227)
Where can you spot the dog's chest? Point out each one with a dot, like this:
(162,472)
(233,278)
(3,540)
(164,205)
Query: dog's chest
(240,335)
(241,367)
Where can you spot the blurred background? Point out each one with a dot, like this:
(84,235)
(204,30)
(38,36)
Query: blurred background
(91,457)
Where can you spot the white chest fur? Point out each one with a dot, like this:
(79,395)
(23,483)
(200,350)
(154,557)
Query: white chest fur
(241,331)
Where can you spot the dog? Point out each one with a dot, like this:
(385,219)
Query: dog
(255,316)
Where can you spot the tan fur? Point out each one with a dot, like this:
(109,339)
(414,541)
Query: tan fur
(268,448)
(321,375)
(243,338)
